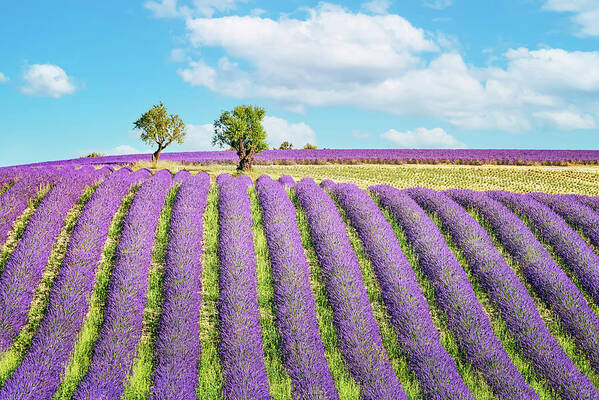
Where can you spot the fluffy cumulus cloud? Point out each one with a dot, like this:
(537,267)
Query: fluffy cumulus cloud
(3,78)
(585,14)
(376,6)
(47,80)
(422,138)
(337,57)
(176,9)
(279,130)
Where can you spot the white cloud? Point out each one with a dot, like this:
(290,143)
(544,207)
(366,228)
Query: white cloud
(3,78)
(422,138)
(585,14)
(567,120)
(47,80)
(376,6)
(438,4)
(279,130)
(336,57)
(124,149)
(174,9)
(198,138)
(178,55)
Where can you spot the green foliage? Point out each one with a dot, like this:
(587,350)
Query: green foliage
(160,128)
(309,146)
(241,130)
(286,146)
(93,154)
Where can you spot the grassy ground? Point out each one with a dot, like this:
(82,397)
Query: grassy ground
(571,179)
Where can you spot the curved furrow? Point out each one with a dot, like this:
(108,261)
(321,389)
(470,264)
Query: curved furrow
(470,326)
(24,269)
(578,215)
(241,347)
(359,335)
(177,350)
(549,281)
(417,336)
(576,254)
(38,376)
(512,299)
(302,347)
(114,351)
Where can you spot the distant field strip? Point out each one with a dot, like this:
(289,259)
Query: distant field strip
(407,282)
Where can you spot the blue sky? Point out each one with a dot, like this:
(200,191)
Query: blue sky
(376,74)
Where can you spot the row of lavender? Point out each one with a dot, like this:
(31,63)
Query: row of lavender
(358,333)
(386,156)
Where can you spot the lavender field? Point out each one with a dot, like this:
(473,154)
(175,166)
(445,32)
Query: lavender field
(121,283)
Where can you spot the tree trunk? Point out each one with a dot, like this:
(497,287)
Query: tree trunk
(156,154)
(246,159)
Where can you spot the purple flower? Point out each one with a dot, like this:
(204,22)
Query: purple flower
(455,296)
(115,348)
(177,347)
(417,336)
(510,296)
(39,374)
(358,333)
(302,348)
(241,348)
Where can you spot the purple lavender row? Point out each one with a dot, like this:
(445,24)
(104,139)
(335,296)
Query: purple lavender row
(39,374)
(466,318)
(417,336)
(241,347)
(548,280)
(589,201)
(177,350)
(25,267)
(358,333)
(302,348)
(575,213)
(511,297)
(566,243)
(114,351)
(287,181)
(14,201)
(468,156)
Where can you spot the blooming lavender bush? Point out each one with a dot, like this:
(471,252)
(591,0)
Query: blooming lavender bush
(417,336)
(39,374)
(287,181)
(114,350)
(455,295)
(575,213)
(177,347)
(547,279)
(359,335)
(241,348)
(302,348)
(24,269)
(511,298)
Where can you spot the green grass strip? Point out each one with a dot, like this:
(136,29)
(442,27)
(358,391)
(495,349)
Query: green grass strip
(140,380)
(509,343)
(6,186)
(398,360)
(210,383)
(347,387)
(278,378)
(19,226)
(12,358)
(551,318)
(477,385)
(82,353)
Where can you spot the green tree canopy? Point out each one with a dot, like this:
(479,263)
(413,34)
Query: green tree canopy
(241,130)
(309,146)
(286,146)
(158,127)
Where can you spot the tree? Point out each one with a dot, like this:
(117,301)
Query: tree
(160,128)
(286,146)
(241,130)
(309,146)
